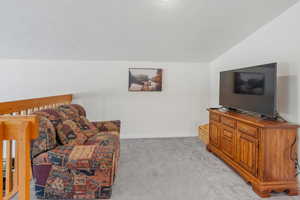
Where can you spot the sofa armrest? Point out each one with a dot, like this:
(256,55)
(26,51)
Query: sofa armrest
(108,125)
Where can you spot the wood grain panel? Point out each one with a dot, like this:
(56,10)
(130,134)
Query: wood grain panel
(214,117)
(228,122)
(247,149)
(263,152)
(13,125)
(214,134)
(280,154)
(228,142)
(247,129)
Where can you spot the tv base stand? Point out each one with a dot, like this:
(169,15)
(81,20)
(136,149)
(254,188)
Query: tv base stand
(263,152)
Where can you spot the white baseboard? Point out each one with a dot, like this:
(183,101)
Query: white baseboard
(138,136)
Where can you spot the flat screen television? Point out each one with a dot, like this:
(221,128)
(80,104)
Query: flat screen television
(250,89)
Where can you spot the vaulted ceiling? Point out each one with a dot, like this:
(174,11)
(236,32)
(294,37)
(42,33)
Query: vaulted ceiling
(151,30)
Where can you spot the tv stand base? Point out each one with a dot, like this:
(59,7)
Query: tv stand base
(265,191)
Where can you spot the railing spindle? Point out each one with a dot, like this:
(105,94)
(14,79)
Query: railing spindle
(1,161)
(8,170)
(24,161)
(16,171)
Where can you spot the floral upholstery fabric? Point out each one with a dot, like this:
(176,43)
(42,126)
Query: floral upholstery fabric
(84,123)
(69,111)
(87,127)
(104,139)
(69,184)
(108,125)
(74,171)
(77,114)
(46,140)
(80,109)
(108,137)
(91,165)
(70,133)
(53,115)
(86,158)
(75,107)
(57,156)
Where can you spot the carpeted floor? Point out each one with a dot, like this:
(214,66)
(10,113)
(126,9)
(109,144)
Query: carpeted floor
(177,169)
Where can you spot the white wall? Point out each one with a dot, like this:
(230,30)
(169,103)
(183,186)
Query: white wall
(278,41)
(102,87)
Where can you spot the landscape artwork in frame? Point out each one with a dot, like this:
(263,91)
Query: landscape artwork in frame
(145,79)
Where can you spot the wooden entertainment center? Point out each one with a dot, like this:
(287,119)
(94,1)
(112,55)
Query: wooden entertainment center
(263,152)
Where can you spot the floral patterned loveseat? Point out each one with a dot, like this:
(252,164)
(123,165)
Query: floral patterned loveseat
(74,158)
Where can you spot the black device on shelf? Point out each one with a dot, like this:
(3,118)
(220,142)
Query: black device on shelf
(250,89)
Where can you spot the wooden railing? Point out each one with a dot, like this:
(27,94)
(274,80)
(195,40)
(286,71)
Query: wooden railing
(21,129)
(17,128)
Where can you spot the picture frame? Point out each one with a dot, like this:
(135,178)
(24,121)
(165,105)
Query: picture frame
(145,80)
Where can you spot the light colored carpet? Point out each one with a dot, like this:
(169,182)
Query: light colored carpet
(177,169)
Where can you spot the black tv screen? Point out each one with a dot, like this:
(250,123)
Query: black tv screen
(250,89)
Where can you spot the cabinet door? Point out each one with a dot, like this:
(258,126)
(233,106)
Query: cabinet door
(247,152)
(228,141)
(214,134)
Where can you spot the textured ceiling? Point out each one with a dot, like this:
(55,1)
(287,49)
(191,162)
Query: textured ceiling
(150,30)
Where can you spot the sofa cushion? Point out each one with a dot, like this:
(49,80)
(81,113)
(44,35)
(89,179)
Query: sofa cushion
(58,156)
(46,140)
(76,113)
(90,158)
(80,109)
(69,111)
(87,127)
(74,107)
(87,158)
(53,115)
(85,124)
(69,133)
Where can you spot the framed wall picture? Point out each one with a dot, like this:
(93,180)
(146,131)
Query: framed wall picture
(145,79)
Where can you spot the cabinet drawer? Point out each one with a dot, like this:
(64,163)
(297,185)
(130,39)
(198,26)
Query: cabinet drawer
(227,134)
(228,142)
(228,122)
(247,129)
(214,117)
